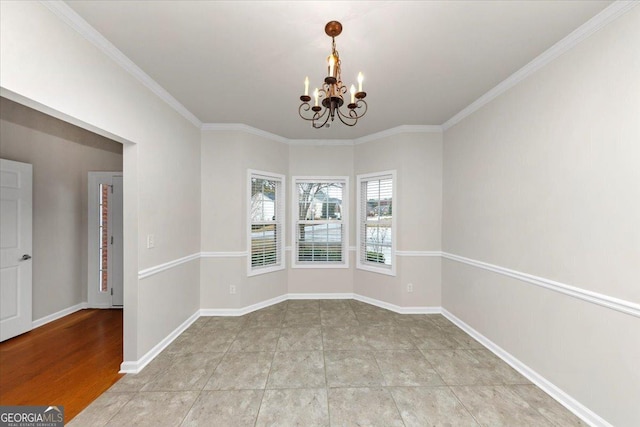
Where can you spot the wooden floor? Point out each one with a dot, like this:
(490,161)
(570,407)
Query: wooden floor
(68,362)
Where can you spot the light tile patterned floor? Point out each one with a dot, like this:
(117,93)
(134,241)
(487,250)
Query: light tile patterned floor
(325,363)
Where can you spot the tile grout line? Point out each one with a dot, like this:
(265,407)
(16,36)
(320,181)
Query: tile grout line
(210,375)
(275,350)
(324,362)
(386,387)
(191,407)
(133,394)
(461,345)
(240,329)
(463,405)
(223,356)
(397,407)
(448,386)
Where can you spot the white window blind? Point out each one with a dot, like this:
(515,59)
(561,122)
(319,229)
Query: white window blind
(376,234)
(266,219)
(320,222)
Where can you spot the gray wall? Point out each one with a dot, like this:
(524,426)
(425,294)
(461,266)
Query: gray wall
(323,160)
(417,159)
(227,155)
(225,158)
(61,155)
(545,180)
(53,68)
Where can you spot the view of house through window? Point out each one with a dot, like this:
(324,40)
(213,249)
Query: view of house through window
(320,215)
(376,221)
(266,219)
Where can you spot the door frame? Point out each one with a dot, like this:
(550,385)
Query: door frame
(96,299)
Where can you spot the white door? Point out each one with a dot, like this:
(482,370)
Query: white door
(116,271)
(15,248)
(105,240)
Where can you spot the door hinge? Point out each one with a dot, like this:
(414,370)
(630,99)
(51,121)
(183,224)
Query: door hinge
(112,291)
(112,240)
(111,186)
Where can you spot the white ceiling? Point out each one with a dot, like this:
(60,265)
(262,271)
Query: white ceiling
(245,61)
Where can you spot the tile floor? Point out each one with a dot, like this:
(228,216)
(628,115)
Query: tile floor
(325,363)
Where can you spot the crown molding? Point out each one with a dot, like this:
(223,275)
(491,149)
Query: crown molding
(75,21)
(398,130)
(241,127)
(316,142)
(607,15)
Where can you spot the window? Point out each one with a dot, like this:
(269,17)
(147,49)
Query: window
(376,221)
(320,218)
(266,219)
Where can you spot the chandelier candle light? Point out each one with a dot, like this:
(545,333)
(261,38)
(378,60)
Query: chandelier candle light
(331,95)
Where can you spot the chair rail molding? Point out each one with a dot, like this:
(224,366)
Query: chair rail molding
(148,272)
(607,301)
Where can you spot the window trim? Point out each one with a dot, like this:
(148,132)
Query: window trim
(390,271)
(345,221)
(281,221)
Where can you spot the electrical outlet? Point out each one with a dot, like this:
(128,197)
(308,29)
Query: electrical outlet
(151,241)
(232,289)
(409,287)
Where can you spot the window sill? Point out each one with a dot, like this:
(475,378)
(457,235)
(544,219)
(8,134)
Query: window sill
(265,270)
(320,266)
(386,271)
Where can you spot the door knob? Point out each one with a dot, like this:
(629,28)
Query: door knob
(25,257)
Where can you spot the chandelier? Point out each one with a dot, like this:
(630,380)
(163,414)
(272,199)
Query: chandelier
(330,98)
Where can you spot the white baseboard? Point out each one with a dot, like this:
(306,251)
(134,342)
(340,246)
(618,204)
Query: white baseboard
(320,296)
(556,393)
(397,308)
(133,367)
(551,389)
(243,310)
(60,314)
(232,312)
(100,306)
